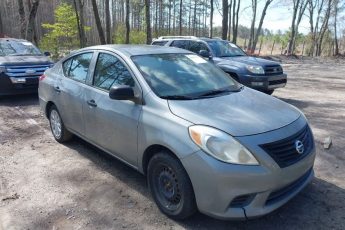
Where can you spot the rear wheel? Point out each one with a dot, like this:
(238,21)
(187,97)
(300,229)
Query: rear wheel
(59,131)
(170,186)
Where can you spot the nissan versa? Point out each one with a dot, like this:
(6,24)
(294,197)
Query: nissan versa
(204,141)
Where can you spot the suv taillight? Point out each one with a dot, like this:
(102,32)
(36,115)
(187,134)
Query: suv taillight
(41,78)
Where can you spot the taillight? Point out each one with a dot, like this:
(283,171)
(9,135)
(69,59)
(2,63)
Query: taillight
(41,78)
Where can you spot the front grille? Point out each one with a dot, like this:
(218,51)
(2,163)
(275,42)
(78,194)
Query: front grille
(277,82)
(282,193)
(284,152)
(273,70)
(26,70)
(241,201)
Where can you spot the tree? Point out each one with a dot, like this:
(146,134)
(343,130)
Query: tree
(211,20)
(299,7)
(22,20)
(30,27)
(63,34)
(1,26)
(323,29)
(79,11)
(235,12)
(148,22)
(258,31)
(336,44)
(180,20)
(252,27)
(98,22)
(225,19)
(107,22)
(127,22)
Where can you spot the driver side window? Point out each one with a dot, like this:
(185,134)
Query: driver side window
(111,71)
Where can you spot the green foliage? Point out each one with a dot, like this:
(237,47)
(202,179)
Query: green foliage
(63,34)
(135,36)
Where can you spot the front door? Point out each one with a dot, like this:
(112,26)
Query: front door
(112,124)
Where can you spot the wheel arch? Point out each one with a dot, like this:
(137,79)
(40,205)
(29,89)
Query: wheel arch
(151,151)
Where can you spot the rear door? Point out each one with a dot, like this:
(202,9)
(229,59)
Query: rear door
(112,124)
(70,91)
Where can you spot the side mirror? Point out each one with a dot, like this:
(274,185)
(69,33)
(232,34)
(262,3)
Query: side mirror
(204,53)
(47,54)
(121,92)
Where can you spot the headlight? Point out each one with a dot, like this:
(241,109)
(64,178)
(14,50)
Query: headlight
(2,69)
(255,69)
(221,145)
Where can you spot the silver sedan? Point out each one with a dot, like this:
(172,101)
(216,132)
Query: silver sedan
(203,140)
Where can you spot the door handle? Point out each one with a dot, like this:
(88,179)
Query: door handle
(57,89)
(92,103)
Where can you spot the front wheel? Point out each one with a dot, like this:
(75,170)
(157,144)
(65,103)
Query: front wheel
(170,186)
(269,92)
(59,131)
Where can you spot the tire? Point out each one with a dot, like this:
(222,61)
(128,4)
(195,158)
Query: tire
(269,92)
(170,186)
(59,131)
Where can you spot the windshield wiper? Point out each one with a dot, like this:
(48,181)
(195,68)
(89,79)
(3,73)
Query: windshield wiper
(177,97)
(216,92)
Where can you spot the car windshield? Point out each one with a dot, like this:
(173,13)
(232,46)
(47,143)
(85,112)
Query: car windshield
(184,76)
(225,49)
(18,48)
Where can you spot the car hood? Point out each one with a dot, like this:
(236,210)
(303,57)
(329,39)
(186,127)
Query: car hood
(15,60)
(243,113)
(245,60)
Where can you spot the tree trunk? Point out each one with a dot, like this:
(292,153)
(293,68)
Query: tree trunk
(211,20)
(83,39)
(180,20)
(169,17)
(78,22)
(290,45)
(323,29)
(236,10)
(22,18)
(336,45)
(1,26)
(148,22)
(30,27)
(252,27)
(268,2)
(98,22)
(107,22)
(127,22)
(225,19)
(229,20)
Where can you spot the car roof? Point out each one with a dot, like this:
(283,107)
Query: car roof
(134,50)
(190,38)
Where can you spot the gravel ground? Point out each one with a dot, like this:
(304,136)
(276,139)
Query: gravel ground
(46,185)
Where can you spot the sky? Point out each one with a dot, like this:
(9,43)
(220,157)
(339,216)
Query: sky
(278,16)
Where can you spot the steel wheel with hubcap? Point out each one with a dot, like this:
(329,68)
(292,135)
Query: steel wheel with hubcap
(170,186)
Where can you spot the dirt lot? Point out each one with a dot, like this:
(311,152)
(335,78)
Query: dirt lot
(46,185)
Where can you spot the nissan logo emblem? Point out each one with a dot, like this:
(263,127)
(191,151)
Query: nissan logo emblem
(299,147)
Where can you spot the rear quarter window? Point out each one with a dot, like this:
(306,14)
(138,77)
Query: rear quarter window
(77,67)
(183,44)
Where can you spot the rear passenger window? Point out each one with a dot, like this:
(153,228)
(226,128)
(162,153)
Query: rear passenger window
(77,67)
(111,71)
(159,43)
(180,44)
(197,46)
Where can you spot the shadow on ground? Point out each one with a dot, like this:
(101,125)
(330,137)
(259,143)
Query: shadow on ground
(318,206)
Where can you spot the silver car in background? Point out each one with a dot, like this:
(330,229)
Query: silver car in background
(204,141)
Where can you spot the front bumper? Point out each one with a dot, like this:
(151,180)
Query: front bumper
(217,184)
(11,87)
(264,83)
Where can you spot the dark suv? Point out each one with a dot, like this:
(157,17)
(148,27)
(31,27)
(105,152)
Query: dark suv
(256,73)
(21,65)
